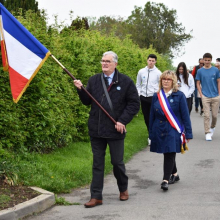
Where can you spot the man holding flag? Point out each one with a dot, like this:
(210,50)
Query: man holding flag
(118,95)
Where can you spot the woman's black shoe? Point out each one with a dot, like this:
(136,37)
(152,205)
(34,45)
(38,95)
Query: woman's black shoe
(164,185)
(173,179)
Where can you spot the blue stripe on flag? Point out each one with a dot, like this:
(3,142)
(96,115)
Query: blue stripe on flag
(19,32)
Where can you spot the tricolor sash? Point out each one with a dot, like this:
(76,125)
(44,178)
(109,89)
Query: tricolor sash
(171,117)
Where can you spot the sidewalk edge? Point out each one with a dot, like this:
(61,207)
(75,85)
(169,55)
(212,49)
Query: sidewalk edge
(35,205)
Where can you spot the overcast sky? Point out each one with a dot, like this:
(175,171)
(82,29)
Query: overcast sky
(203,17)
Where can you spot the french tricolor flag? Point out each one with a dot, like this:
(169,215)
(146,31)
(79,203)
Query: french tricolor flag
(22,54)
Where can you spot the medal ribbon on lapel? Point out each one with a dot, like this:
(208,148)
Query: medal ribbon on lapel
(171,117)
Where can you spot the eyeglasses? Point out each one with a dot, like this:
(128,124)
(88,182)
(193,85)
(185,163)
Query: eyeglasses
(106,61)
(167,79)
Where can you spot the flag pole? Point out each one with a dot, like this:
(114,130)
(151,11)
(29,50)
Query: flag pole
(83,88)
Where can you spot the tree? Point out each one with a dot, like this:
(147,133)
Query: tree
(15,5)
(108,25)
(156,25)
(77,24)
(80,23)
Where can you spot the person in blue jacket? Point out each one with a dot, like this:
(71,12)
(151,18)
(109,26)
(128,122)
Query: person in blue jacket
(164,138)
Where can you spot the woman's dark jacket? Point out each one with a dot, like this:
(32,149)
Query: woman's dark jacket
(125,101)
(165,138)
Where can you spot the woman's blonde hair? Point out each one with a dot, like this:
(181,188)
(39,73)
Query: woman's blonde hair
(173,77)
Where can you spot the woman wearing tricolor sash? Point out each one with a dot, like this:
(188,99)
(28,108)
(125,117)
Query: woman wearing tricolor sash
(170,125)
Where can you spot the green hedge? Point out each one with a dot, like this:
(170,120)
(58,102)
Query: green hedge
(50,114)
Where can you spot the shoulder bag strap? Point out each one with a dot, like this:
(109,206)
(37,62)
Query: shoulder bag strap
(107,95)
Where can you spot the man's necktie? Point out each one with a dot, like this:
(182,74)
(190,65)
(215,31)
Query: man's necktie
(106,81)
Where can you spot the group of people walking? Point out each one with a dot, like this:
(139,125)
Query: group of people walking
(163,138)
(166,102)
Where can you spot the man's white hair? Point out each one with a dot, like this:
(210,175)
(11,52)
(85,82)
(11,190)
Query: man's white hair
(114,55)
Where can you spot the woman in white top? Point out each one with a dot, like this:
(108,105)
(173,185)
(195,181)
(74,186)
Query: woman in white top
(186,83)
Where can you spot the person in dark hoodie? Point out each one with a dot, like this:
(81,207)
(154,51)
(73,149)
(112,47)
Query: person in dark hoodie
(198,100)
(123,105)
(147,84)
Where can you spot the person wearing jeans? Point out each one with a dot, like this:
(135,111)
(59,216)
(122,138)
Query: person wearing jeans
(208,77)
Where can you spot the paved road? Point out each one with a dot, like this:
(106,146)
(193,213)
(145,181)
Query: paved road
(195,196)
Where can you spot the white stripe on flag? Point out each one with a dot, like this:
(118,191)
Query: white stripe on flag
(1,28)
(21,59)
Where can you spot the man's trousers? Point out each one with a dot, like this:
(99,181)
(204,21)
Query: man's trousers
(116,147)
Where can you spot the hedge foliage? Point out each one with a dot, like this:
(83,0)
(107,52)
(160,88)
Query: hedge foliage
(50,114)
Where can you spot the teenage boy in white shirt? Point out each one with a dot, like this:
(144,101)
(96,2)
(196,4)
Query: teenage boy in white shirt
(147,84)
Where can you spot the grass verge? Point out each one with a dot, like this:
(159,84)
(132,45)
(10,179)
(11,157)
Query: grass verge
(71,167)
(4,199)
(62,201)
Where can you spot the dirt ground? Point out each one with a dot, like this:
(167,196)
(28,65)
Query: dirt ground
(13,195)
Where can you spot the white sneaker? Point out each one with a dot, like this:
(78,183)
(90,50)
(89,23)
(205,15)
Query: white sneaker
(212,130)
(149,141)
(208,137)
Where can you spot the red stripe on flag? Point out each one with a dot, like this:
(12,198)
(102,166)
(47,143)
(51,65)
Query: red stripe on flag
(4,56)
(165,112)
(17,82)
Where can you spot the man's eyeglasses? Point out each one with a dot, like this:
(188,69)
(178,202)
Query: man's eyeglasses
(167,79)
(106,61)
